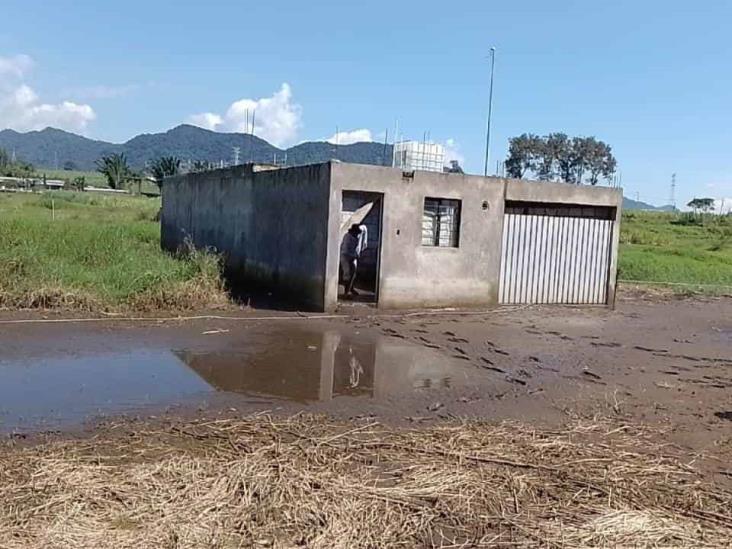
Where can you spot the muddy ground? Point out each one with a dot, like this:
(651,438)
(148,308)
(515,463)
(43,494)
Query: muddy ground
(666,363)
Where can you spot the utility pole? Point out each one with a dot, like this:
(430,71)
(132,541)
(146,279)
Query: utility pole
(490,112)
(337,138)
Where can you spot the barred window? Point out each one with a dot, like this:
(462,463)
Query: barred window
(441,222)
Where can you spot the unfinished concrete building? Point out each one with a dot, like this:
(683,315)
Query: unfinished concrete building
(434,239)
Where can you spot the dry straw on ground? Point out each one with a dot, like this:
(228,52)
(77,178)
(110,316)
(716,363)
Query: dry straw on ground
(309,481)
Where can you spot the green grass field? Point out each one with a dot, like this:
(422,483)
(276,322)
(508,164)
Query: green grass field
(663,247)
(86,251)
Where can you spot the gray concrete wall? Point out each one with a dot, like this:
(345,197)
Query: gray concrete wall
(564,193)
(271,226)
(412,275)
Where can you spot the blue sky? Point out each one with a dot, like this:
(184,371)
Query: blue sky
(650,78)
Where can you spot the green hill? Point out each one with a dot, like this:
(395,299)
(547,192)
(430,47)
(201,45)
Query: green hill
(52,148)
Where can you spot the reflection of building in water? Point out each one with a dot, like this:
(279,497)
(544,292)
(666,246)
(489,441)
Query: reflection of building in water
(310,366)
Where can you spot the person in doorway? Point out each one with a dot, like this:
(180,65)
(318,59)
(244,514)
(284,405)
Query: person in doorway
(353,245)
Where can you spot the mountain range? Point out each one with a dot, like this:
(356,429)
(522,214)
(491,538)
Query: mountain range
(630,204)
(53,148)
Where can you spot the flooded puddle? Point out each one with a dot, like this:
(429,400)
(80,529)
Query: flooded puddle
(60,389)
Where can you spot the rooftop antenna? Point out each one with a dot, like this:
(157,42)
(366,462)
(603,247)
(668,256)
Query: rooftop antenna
(386,142)
(672,198)
(396,138)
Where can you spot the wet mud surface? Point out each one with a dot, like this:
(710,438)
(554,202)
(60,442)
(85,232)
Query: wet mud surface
(666,363)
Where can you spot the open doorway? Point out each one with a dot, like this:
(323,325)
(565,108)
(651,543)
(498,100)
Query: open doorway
(361,214)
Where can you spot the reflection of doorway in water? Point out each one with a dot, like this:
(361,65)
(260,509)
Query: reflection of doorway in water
(363,208)
(353,373)
(311,365)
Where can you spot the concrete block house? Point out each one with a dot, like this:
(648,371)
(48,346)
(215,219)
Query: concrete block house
(435,239)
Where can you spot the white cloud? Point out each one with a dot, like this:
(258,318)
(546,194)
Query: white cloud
(21,109)
(207,120)
(277,118)
(350,137)
(16,66)
(452,152)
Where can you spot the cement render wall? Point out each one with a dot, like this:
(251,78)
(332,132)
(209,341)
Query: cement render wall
(412,275)
(271,226)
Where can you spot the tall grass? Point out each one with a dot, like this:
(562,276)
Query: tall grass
(663,247)
(93,252)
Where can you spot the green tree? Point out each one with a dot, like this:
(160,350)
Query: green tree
(524,152)
(163,167)
(115,168)
(4,159)
(69,166)
(594,157)
(79,183)
(703,205)
(558,157)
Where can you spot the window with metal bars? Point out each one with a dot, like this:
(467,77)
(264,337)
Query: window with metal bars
(441,222)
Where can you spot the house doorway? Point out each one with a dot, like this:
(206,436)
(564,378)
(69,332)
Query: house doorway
(364,210)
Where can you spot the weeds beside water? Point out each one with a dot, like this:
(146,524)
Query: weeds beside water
(92,252)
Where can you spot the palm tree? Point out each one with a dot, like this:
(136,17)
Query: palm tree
(163,167)
(115,169)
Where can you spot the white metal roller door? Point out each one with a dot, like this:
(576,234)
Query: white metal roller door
(555,258)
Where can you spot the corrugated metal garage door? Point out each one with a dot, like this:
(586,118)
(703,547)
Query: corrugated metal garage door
(555,254)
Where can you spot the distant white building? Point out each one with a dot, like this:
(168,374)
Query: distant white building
(419,155)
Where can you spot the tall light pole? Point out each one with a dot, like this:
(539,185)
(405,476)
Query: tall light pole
(490,112)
